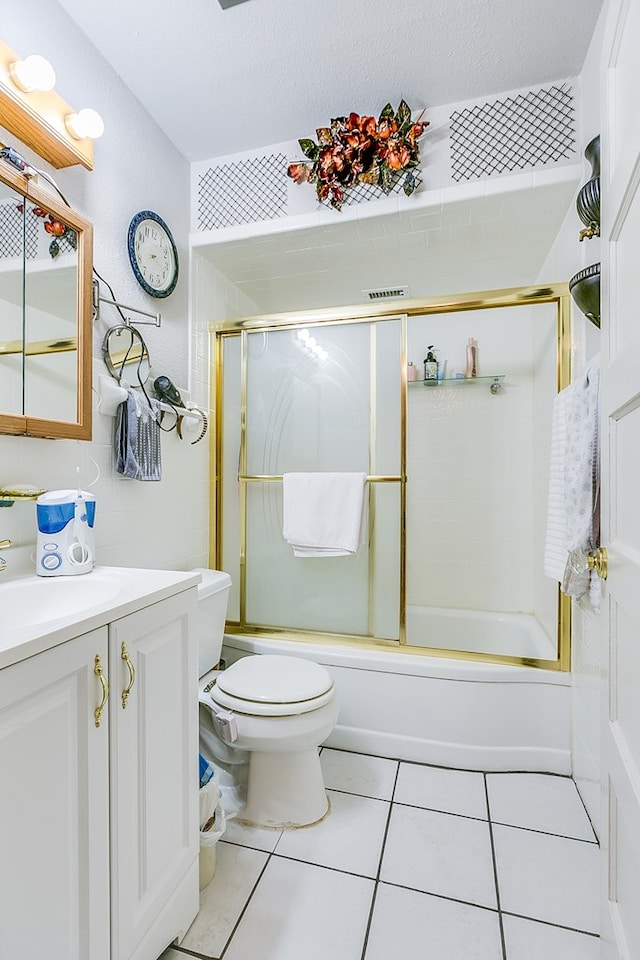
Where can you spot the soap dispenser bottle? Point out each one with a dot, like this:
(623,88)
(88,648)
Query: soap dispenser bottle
(431,365)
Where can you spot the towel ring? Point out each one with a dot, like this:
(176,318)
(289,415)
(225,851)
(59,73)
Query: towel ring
(123,345)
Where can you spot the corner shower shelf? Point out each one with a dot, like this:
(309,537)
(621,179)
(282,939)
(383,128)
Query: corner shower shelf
(495,382)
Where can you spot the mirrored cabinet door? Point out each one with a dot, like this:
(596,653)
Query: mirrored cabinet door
(50,315)
(11,300)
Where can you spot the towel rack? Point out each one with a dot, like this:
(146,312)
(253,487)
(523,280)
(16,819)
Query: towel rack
(156,318)
(274,478)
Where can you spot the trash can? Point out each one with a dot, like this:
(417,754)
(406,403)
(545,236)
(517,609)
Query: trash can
(212,826)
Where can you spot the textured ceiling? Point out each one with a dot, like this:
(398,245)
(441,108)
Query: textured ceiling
(221,81)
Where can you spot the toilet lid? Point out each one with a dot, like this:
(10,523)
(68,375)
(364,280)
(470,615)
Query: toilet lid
(273,685)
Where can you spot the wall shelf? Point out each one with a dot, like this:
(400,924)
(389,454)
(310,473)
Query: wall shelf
(494,382)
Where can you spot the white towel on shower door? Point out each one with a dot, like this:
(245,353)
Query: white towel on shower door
(323,513)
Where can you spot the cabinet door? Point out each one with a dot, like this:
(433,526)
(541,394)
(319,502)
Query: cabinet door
(54,805)
(154,778)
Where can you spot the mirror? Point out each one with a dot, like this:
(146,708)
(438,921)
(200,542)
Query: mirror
(45,313)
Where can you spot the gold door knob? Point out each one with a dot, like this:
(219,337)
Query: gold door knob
(599,562)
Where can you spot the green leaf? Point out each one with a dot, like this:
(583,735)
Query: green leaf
(404,112)
(309,148)
(54,249)
(409,184)
(387,113)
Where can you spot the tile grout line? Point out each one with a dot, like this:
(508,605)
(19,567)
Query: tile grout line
(365,942)
(495,867)
(244,909)
(548,923)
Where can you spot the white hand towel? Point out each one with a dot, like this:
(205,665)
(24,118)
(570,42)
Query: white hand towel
(573,517)
(555,547)
(323,513)
(582,479)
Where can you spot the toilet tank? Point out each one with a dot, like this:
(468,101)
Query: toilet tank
(211,612)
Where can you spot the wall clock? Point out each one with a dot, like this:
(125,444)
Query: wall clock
(153,254)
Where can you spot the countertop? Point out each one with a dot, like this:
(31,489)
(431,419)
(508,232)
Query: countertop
(119,591)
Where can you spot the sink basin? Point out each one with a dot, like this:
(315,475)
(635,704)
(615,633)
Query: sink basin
(38,600)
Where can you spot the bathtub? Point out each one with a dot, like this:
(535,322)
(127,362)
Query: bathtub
(448,712)
(508,634)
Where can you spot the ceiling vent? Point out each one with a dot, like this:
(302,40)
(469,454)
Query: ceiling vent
(225,4)
(386,293)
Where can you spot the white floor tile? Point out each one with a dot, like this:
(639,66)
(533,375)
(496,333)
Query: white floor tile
(450,791)
(538,801)
(222,901)
(257,837)
(349,839)
(415,925)
(299,910)
(528,940)
(358,773)
(441,854)
(548,878)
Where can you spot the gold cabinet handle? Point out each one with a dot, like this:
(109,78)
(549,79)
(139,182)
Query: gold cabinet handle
(99,672)
(132,676)
(599,562)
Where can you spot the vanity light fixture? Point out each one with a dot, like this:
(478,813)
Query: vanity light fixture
(36,116)
(32,73)
(87,123)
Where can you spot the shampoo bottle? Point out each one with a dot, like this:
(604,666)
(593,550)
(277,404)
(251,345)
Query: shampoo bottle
(431,365)
(471,369)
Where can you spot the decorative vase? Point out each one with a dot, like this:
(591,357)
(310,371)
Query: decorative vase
(585,290)
(588,199)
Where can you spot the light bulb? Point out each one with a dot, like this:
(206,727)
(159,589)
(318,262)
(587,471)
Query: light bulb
(303,335)
(32,73)
(86,123)
(311,342)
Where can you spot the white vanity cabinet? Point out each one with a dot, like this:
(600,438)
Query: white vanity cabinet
(98,824)
(54,805)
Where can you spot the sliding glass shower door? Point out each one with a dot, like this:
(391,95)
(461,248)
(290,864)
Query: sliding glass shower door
(313,399)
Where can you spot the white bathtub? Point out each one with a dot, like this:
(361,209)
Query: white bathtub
(509,634)
(474,716)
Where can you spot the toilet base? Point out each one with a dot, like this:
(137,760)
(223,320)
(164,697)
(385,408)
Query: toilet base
(285,790)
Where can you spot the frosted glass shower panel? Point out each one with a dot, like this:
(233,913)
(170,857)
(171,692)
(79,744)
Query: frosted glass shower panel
(229,518)
(308,395)
(326,594)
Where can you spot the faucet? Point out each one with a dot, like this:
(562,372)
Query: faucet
(4,545)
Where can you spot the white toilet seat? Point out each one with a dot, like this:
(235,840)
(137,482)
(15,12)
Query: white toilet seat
(273,686)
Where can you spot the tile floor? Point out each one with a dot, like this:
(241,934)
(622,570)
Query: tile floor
(413,861)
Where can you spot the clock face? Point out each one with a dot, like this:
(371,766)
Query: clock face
(153,254)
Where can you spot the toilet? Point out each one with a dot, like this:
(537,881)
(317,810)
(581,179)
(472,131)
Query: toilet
(271,712)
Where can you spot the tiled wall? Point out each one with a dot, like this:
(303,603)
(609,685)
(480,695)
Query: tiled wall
(470,458)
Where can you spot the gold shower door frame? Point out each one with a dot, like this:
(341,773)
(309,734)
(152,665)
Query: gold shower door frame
(557,294)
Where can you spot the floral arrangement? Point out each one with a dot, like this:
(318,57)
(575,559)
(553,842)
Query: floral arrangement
(55,228)
(363,149)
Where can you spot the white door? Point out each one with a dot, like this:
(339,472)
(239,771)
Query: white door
(621,478)
(54,806)
(154,778)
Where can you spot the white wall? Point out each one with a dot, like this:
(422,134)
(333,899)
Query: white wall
(568,256)
(151,524)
